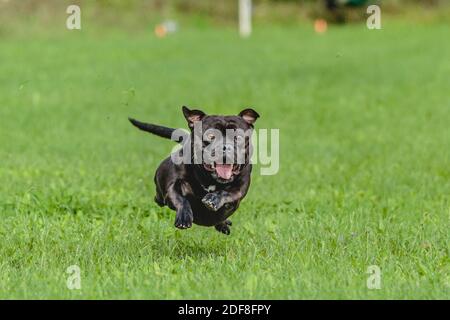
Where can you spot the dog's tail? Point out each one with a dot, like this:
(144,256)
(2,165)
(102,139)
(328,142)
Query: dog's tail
(160,131)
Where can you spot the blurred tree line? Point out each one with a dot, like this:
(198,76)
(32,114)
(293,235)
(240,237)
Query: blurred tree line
(142,11)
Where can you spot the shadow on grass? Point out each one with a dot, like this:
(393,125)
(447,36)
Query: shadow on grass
(189,246)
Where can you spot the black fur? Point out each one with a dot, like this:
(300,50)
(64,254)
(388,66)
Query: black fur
(196,194)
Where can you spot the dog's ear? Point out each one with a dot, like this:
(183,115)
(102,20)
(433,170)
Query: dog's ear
(192,116)
(249,115)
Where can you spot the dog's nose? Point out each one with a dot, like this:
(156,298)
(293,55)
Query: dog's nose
(228,148)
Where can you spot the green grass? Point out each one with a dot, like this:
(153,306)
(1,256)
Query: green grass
(364,175)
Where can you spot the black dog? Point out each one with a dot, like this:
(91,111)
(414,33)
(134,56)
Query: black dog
(205,193)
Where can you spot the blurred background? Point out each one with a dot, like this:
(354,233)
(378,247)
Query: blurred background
(141,13)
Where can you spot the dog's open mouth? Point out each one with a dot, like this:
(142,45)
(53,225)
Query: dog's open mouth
(224,171)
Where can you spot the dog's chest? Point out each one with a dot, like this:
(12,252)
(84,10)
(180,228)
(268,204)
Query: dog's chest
(200,190)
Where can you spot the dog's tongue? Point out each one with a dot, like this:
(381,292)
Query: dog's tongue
(224,170)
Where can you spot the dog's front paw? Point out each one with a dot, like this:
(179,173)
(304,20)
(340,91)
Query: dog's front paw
(212,201)
(184,218)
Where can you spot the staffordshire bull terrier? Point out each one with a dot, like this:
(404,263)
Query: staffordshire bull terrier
(213,176)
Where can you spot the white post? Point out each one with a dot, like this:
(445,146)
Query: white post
(245,17)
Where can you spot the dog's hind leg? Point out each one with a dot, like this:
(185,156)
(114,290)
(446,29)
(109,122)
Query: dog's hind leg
(224,227)
(159,199)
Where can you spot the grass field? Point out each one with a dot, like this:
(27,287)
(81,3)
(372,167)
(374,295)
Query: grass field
(364,163)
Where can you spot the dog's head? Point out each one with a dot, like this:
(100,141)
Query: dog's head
(224,142)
